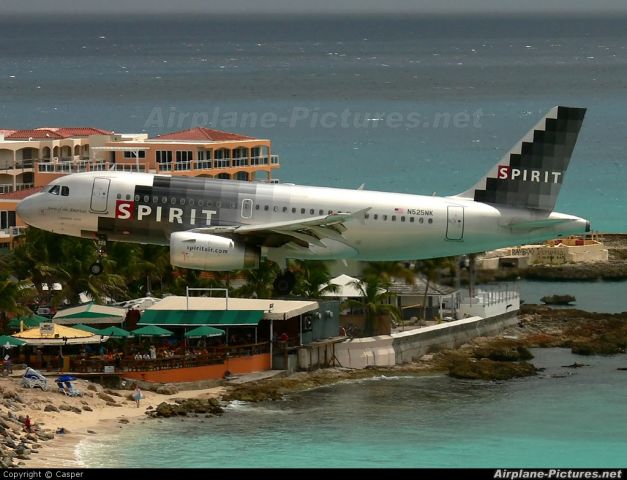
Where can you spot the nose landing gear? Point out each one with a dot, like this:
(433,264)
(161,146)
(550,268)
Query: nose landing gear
(96,267)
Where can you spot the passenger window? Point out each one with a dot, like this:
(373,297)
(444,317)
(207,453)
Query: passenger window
(119,196)
(394,218)
(320,212)
(65,191)
(137,198)
(430,220)
(284,209)
(293,209)
(376,216)
(182,201)
(128,196)
(266,208)
(164,199)
(311,211)
(173,201)
(54,190)
(155,199)
(367,216)
(421,220)
(191,202)
(302,210)
(385,217)
(402,219)
(276,209)
(200,203)
(411,219)
(257,207)
(146,198)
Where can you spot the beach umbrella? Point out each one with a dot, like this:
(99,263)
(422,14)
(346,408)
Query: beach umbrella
(152,331)
(86,328)
(204,331)
(29,321)
(115,332)
(7,341)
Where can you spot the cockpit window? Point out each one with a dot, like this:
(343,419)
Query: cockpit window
(54,190)
(65,191)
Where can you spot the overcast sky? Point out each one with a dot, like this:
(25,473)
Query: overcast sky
(317,6)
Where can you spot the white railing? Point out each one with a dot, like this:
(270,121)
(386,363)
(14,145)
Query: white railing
(8,187)
(490,295)
(12,231)
(128,167)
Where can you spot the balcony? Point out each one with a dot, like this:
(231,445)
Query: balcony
(8,188)
(218,164)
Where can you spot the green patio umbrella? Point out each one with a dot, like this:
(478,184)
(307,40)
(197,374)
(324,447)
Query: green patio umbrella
(204,331)
(151,331)
(87,328)
(8,341)
(29,321)
(115,332)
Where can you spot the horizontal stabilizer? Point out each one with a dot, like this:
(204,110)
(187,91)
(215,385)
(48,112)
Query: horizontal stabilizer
(535,224)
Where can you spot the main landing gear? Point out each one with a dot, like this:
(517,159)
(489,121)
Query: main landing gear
(284,283)
(96,267)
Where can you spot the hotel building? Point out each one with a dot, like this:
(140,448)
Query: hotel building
(30,159)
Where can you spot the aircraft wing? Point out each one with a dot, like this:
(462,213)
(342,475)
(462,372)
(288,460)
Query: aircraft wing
(303,230)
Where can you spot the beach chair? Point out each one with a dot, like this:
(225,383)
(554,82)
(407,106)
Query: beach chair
(70,391)
(33,379)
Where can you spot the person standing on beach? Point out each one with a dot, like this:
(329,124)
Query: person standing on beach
(137,395)
(27,424)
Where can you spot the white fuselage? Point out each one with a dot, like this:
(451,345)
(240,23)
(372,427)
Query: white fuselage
(394,226)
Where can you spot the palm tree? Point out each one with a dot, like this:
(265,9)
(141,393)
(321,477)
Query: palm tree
(431,268)
(44,258)
(14,296)
(389,271)
(75,278)
(373,301)
(259,282)
(312,278)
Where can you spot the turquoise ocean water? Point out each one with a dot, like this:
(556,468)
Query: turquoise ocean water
(562,418)
(159,74)
(398,79)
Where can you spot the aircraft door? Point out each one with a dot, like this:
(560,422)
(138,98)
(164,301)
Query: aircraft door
(455,224)
(100,195)
(247,208)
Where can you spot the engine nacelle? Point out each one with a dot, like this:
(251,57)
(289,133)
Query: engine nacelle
(202,251)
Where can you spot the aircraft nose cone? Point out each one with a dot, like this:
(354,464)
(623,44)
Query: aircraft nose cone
(26,209)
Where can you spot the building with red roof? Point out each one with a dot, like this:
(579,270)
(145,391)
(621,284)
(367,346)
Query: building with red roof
(32,158)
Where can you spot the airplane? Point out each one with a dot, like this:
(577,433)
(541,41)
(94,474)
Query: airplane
(222,225)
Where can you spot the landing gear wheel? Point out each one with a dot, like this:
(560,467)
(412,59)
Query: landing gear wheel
(285,283)
(95,268)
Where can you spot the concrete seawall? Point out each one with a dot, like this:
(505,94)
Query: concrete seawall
(402,347)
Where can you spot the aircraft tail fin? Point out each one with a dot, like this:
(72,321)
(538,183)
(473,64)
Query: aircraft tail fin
(531,174)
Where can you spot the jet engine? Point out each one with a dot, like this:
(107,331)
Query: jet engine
(202,251)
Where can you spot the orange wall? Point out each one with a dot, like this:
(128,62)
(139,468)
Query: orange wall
(254,363)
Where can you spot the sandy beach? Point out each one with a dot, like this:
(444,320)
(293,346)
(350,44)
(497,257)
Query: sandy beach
(103,417)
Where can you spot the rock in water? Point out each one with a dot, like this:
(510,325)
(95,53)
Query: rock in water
(558,299)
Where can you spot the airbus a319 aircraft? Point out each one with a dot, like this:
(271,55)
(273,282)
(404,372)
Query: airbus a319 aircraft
(221,225)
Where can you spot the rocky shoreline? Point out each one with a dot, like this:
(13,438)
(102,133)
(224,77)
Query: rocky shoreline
(488,358)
